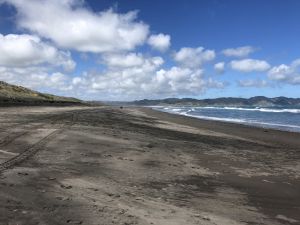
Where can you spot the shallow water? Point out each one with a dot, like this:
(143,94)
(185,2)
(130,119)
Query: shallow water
(278,118)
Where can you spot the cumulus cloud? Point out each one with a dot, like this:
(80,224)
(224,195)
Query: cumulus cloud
(123,81)
(130,60)
(160,42)
(250,65)
(253,83)
(123,60)
(146,79)
(179,80)
(28,50)
(37,78)
(219,67)
(138,84)
(194,57)
(182,80)
(72,26)
(286,73)
(243,51)
(56,26)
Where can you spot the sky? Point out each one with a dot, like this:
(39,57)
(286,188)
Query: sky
(137,49)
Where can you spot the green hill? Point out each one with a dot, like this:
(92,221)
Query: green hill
(18,95)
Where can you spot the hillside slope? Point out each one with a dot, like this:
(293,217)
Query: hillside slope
(18,95)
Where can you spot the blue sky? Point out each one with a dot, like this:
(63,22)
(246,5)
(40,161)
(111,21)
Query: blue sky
(133,49)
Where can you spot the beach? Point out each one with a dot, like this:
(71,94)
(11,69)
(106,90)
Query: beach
(111,165)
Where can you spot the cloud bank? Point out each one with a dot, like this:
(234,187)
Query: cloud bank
(28,50)
(72,26)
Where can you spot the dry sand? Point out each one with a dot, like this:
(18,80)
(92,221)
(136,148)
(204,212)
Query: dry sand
(105,165)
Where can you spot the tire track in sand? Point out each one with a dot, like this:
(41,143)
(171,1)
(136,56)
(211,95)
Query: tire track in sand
(16,160)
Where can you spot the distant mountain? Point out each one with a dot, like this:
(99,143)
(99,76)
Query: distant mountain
(258,101)
(18,95)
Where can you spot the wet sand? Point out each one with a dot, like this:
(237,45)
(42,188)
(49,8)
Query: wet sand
(105,165)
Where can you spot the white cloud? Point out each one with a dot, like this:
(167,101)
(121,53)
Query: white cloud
(243,51)
(219,67)
(250,65)
(32,60)
(194,57)
(37,78)
(71,25)
(125,60)
(123,81)
(160,42)
(280,72)
(128,60)
(183,81)
(28,50)
(147,79)
(77,80)
(211,83)
(178,80)
(253,83)
(286,73)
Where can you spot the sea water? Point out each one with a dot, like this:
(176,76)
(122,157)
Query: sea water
(278,118)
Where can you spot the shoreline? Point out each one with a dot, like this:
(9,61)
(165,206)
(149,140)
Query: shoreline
(263,125)
(244,130)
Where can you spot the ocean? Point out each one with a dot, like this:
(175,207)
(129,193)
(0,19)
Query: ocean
(287,119)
